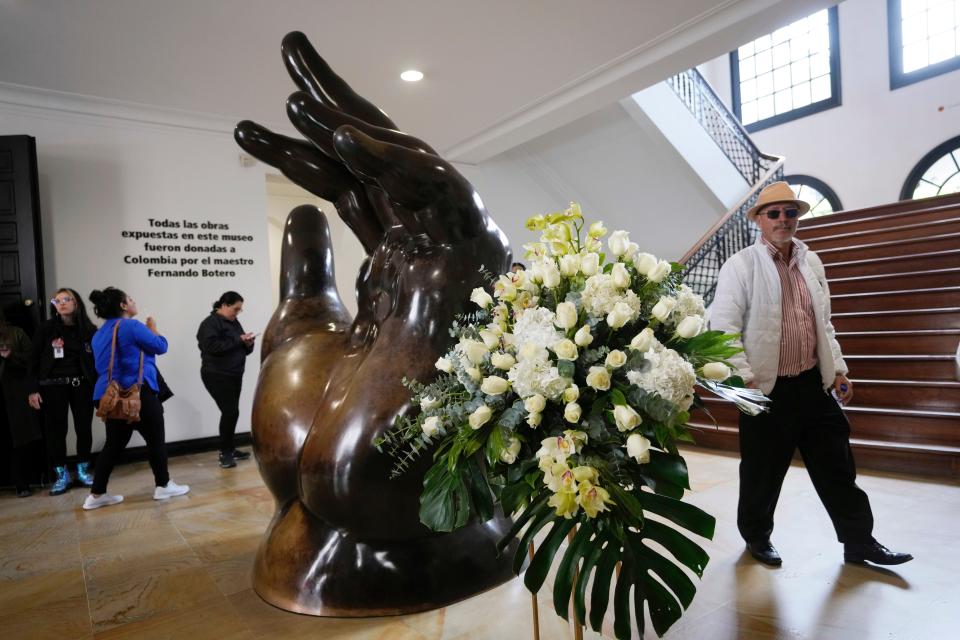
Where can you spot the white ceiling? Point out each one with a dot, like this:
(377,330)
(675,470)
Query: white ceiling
(498,72)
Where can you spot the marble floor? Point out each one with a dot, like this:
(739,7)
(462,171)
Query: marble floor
(181,569)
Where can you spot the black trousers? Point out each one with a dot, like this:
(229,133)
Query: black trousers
(118,435)
(803,416)
(225,390)
(56,399)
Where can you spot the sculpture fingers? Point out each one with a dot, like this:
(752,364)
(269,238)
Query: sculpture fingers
(305,165)
(312,74)
(446,205)
(308,289)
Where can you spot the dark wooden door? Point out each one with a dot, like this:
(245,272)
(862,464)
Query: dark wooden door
(22,292)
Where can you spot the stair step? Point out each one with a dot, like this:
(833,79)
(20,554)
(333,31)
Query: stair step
(883,214)
(896,281)
(903,367)
(887,424)
(840,267)
(912,394)
(886,234)
(936,242)
(898,320)
(933,341)
(892,300)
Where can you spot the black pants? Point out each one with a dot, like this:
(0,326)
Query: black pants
(225,390)
(803,415)
(56,399)
(118,435)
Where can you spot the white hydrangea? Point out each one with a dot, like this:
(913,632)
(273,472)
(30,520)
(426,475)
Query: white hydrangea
(535,326)
(669,375)
(688,304)
(537,374)
(601,294)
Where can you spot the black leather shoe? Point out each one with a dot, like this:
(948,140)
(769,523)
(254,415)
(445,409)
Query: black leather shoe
(873,552)
(764,552)
(241,455)
(227,461)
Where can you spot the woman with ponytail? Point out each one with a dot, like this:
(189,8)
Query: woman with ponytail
(224,347)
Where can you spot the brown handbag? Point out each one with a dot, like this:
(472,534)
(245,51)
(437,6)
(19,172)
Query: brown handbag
(117,403)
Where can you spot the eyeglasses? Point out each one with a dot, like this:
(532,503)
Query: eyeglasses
(63,300)
(790,213)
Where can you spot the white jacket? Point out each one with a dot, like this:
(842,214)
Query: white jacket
(747,301)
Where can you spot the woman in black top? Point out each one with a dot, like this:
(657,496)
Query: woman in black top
(224,348)
(62,374)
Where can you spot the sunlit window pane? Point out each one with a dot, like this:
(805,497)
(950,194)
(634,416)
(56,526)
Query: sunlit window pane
(942,47)
(820,88)
(765,107)
(915,56)
(748,112)
(782,101)
(748,91)
(781,79)
(801,95)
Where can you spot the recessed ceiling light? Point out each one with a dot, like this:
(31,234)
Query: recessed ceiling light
(411,75)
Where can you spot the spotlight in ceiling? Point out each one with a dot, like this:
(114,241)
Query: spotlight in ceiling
(411,75)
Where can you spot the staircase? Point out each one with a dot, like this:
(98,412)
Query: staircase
(894,276)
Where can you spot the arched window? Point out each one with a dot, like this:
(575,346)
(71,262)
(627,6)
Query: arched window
(937,173)
(822,199)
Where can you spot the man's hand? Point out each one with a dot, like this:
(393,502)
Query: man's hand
(35,400)
(248,338)
(843,388)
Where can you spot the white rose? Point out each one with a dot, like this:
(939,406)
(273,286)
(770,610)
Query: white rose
(509,455)
(534,419)
(551,275)
(532,351)
(661,271)
(494,385)
(598,378)
(481,298)
(571,393)
(716,371)
(565,350)
(428,403)
(621,277)
(502,361)
(661,311)
(431,426)
(443,365)
(597,230)
(474,373)
(583,337)
(593,245)
(571,413)
(645,263)
(566,315)
(490,339)
(632,249)
(689,326)
(642,341)
(686,402)
(625,417)
(621,314)
(475,351)
(570,264)
(590,264)
(618,242)
(638,447)
(480,417)
(616,359)
(535,403)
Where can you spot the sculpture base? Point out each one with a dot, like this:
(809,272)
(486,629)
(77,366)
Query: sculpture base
(306,566)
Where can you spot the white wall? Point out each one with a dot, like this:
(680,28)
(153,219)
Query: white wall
(102,174)
(865,148)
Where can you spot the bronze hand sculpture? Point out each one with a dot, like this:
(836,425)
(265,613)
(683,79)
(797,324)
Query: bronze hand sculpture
(346,540)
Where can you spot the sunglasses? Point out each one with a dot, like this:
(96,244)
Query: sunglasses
(790,213)
(63,300)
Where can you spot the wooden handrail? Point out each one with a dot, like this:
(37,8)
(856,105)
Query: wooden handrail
(771,170)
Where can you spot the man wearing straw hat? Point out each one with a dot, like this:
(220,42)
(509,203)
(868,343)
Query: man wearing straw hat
(774,293)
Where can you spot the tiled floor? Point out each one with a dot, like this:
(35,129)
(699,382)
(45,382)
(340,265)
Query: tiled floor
(181,569)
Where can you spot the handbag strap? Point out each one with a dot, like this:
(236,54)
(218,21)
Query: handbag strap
(113,352)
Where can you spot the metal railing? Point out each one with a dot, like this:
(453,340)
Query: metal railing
(734,231)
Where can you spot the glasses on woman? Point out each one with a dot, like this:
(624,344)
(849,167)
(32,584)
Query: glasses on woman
(774,212)
(61,300)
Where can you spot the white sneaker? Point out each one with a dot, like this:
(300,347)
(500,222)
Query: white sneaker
(172,489)
(104,500)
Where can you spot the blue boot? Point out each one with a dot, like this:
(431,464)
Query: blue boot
(62,485)
(83,474)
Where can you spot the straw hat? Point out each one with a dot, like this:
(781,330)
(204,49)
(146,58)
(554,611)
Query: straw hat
(776,193)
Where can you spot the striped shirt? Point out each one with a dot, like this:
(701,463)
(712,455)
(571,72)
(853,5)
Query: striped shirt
(798,329)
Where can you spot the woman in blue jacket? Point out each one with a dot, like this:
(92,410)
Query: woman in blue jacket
(133,338)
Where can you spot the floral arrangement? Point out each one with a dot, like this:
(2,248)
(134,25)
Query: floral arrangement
(562,401)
